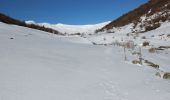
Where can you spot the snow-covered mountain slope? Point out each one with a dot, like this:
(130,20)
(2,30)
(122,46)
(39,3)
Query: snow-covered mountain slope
(73,29)
(9,20)
(145,18)
(156,37)
(36,65)
(149,22)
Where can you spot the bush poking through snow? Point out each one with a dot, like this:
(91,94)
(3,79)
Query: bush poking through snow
(143,37)
(152,64)
(145,43)
(152,27)
(168,35)
(136,62)
(164,47)
(166,75)
(152,36)
(94,43)
(135,53)
(152,50)
(127,34)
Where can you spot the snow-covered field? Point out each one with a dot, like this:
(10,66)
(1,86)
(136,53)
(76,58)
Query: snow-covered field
(36,65)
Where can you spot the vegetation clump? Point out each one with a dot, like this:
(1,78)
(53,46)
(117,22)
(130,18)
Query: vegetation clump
(152,64)
(146,43)
(136,62)
(166,75)
(152,50)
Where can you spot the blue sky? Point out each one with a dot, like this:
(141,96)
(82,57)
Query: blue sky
(68,11)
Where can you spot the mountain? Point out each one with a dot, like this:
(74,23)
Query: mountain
(59,29)
(72,29)
(147,17)
(150,22)
(9,20)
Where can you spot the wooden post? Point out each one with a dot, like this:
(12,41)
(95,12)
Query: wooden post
(140,55)
(125,58)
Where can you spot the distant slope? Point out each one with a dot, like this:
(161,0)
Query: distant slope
(73,29)
(153,12)
(9,20)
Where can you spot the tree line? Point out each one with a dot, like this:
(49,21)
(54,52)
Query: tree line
(7,19)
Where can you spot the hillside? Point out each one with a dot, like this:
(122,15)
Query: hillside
(9,20)
(148,23)
(145,18)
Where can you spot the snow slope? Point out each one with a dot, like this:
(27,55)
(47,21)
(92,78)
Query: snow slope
(156,38)
(72,29)
(36,65)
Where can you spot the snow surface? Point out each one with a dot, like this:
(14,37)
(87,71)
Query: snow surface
(72,29)
(36,65)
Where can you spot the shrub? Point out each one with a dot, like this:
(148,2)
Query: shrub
(164,47)
(145,43)
(152,27)
(152,50)
(76,34)
(127,34)
(161,34)
(152,36)
(166,75)
(152,64)
(136,62)
(143,37)
(94,43)
(135,53)
(11,38)
(168,35)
